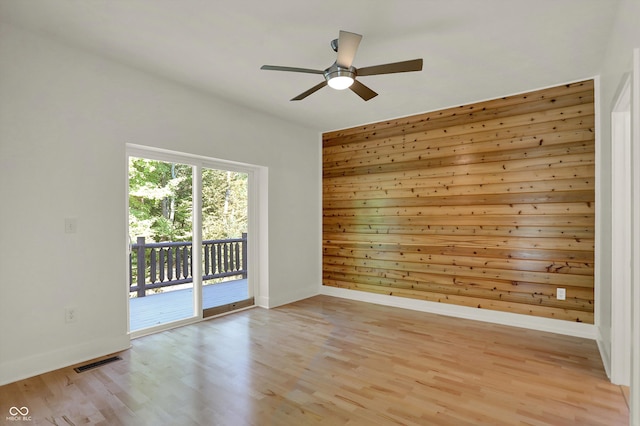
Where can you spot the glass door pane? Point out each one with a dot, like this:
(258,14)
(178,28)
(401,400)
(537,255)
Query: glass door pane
(161,229)
(224,241)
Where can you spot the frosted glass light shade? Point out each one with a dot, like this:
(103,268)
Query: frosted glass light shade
(340,82)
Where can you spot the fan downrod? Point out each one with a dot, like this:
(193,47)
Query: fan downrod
(334,45)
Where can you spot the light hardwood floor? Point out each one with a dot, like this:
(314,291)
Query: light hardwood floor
(331,361)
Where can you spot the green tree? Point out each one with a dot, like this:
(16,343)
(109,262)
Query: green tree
(224,204)
(160,206)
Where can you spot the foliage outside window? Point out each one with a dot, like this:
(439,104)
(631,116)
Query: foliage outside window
(161,206)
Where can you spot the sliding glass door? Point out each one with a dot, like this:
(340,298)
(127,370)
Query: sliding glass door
(161,230)
(188,227)
(224,241)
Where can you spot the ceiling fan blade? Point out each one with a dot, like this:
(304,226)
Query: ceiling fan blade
(363,91)
(315,88)
(291,69)
(404,66)
(347,46)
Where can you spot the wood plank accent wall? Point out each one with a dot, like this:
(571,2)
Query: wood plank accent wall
(489,205)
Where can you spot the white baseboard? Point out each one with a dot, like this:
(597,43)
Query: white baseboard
(24,368)
(262,302)
(587,331)
(604,354)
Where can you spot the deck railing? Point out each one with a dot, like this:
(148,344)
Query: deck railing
(157,265)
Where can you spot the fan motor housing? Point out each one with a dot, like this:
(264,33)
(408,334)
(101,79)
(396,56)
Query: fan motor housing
(337,71)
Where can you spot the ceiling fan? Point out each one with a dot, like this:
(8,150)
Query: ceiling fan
(342,75)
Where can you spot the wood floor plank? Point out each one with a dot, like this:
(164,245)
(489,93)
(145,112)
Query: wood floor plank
(330,361)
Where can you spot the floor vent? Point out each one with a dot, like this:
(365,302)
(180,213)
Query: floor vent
(97,364)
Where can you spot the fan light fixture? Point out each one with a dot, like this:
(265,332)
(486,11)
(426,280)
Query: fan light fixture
(339,78)
(340,82)
(342,74)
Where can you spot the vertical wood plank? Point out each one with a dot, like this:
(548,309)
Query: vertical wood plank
(186,255)
(141,266)
(206,259)
(153,261)
(170,271)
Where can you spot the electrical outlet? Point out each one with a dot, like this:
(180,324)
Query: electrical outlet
(561,293)
(70,315)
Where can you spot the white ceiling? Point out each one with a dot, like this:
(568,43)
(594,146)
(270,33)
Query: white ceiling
(472,49)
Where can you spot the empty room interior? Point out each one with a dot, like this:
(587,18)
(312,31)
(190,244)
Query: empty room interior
(337,213)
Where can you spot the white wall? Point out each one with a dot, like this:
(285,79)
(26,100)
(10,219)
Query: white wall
(65,117)
(618,61)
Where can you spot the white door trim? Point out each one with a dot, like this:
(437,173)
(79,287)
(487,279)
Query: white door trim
(634,402)
(258,268)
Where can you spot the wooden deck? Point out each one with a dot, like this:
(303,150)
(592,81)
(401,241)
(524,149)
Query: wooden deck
(161,308)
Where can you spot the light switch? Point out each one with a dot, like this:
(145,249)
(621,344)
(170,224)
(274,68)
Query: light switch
(70,225)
